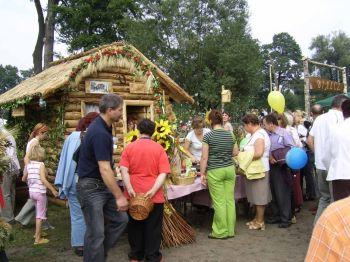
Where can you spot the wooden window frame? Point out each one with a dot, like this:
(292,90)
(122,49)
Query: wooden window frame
(135,103)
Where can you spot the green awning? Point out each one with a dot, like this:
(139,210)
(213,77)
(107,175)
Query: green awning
(328,101)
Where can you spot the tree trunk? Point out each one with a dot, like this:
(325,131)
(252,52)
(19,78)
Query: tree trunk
(38,51)
(49,33)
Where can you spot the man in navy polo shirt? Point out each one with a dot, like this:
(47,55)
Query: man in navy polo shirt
(99,195)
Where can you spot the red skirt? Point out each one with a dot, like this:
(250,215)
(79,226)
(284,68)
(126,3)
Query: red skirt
(297,193)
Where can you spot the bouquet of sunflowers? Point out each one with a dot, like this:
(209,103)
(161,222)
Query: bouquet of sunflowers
(166,135)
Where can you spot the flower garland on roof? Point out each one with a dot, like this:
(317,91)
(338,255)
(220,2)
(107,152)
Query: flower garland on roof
(121,57)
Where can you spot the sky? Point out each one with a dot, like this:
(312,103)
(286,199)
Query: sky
(303,19)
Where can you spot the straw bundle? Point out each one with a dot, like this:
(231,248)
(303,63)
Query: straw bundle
(176,231)
(5,233)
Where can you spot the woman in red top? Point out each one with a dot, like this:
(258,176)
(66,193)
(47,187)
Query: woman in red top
(144,166)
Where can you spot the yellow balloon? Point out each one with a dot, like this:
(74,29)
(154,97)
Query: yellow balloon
(276,101)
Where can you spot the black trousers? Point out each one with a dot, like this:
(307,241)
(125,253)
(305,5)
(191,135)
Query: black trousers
(341,189)
(3,257)
(281,184)
(307,172)
(145,236)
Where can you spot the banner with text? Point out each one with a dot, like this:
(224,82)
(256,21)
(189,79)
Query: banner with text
(317,83)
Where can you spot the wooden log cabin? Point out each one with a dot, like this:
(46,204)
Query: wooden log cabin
(72,87)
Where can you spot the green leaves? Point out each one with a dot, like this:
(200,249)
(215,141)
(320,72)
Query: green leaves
(9,77)
(332,49)
(86,24)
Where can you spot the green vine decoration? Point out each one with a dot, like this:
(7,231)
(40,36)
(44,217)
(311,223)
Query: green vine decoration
(17,103)
(55,136)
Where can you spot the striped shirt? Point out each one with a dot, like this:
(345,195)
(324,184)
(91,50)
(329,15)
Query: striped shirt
(34,181)
(220,144)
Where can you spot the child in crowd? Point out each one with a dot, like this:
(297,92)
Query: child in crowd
(37,183)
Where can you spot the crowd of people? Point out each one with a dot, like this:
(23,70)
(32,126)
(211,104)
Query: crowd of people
(98,205)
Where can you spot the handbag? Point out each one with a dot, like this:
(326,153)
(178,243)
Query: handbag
(280,155)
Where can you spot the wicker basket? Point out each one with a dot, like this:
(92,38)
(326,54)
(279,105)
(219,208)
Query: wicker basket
(184,180)
(140,207)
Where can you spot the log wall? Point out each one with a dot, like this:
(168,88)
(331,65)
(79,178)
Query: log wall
(120,81)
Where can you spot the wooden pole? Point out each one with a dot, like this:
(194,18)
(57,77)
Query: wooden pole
(270,68)
(306,87)
(322,64)
(222,103)
(345,82)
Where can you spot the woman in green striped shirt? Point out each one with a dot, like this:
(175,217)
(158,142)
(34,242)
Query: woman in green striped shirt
(218,172)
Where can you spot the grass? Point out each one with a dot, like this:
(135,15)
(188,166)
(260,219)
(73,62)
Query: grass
(22,248)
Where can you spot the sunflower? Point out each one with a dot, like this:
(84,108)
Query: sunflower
(163,128)
(164,143)
(132,136)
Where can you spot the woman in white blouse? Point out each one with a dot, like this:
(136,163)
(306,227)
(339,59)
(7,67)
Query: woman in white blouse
(258,190)
(193,140)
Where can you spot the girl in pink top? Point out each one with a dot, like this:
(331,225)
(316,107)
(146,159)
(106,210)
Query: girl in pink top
(37,183)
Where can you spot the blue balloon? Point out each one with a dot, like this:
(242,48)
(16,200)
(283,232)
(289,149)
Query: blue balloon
(296,158)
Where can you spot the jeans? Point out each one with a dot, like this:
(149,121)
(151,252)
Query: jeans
(104,224)
(78,227)
(8,188)
(145,236)
(27,213)
(325,192)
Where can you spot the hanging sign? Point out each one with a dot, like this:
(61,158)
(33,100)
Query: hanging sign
(18,112)
(317,83)
(225,95)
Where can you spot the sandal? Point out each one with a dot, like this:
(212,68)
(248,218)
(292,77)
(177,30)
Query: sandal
(257,226)
(41,241)
(43,234)
(250,222)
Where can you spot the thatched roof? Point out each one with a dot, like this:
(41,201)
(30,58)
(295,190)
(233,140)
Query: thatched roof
(57,76)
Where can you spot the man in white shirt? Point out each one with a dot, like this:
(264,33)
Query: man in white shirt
(318,142)
(339,156)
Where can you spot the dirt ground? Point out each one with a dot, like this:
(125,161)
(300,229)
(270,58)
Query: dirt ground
(273,244)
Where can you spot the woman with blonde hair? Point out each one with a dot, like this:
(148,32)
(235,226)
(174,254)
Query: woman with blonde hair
(299,124)
(37,183)
(28,210)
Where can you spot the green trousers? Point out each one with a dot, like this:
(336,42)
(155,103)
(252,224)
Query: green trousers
(221,183)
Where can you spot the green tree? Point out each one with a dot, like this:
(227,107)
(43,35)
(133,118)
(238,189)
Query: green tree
(9,77)
(203,44)
(84,24)
(284,55)
(333,49)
